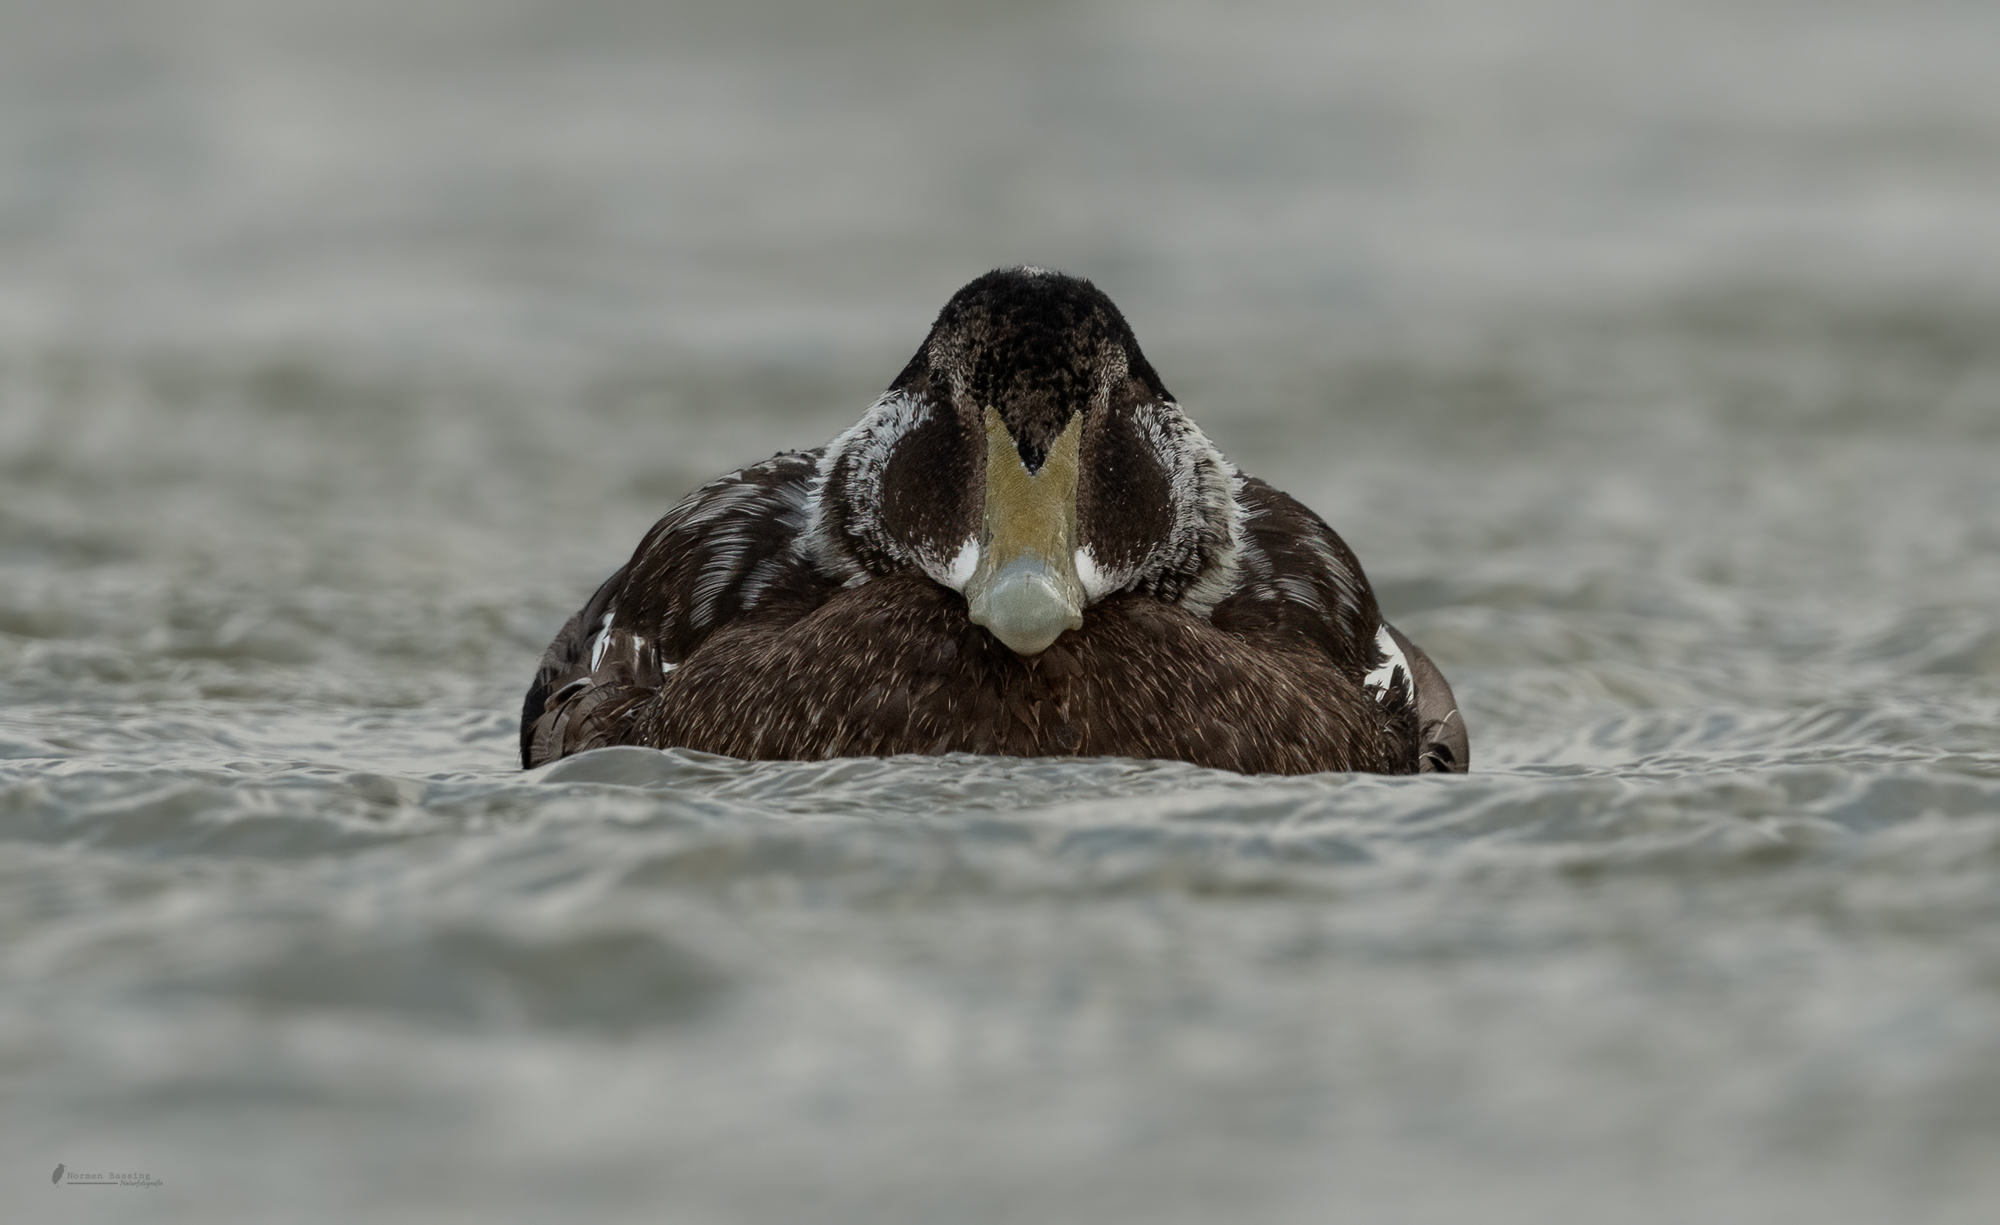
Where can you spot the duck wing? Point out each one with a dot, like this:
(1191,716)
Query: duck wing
(727,551)
(1298,580)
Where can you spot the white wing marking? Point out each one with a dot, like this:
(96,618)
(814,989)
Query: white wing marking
(1383,677)
(603,641)
(963,566)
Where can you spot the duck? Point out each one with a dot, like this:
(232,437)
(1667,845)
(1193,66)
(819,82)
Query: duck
(1023,548)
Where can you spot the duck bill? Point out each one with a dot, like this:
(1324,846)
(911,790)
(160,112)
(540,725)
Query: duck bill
(1025,591)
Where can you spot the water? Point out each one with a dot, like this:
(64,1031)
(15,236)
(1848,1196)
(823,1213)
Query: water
(1648,354)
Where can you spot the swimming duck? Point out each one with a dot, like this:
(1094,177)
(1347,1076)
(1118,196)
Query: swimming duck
(1024,548)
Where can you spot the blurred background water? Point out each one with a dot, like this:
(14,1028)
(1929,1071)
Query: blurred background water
(1647,352)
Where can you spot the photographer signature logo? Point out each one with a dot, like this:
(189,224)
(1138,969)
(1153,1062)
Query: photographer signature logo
(66,1177)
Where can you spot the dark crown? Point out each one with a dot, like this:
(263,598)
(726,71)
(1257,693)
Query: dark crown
(1035,346)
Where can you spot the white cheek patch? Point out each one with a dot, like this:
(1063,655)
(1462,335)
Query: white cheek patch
(1381,678)
(1096,584)
(962,566)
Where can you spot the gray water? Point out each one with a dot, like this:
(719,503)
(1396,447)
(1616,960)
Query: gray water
(1647,353)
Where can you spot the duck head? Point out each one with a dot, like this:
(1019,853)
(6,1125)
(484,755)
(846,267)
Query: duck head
(1029,458)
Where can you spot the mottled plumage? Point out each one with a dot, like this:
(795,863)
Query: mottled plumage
(1023,548)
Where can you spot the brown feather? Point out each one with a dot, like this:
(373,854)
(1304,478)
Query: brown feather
(1140,679)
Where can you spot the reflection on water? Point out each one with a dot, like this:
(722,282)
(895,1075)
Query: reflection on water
(1649,356)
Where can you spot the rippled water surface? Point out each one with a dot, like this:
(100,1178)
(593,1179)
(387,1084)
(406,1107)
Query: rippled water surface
(1647,353)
